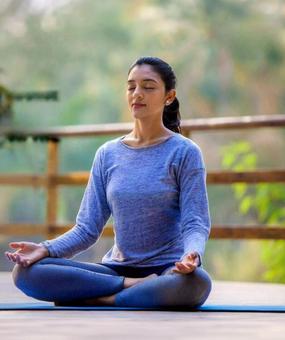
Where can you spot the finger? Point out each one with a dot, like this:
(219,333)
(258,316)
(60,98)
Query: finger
(182,268)
(17,244)
(191,256)
(192,266)
(177,270)
(193,263)
(12,257)
(187,268)
(196,260)
(18,259)
(15,252)
(179,265)
(8,256)
(14,244)
(189,261)
(189,265)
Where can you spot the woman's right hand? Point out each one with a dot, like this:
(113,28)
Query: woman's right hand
(26,253)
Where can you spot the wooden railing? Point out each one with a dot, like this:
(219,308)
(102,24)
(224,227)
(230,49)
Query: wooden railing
(51,180)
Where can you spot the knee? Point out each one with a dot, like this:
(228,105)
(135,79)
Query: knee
(202,286)
(24,278)
(30,280)
(19,275)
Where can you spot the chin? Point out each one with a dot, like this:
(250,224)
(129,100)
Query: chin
(139,115)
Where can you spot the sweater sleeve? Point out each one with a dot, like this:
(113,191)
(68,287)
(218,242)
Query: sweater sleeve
(91,218)
(194,205)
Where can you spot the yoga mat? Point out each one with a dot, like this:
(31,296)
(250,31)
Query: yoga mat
(204,308)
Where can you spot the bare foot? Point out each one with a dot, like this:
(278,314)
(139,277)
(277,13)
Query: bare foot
(101,301)
(131,281)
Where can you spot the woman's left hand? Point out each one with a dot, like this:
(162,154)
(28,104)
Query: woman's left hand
(188,264)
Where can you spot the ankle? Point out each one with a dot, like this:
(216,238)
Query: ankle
(127,282)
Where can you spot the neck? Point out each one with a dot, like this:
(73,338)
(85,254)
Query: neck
(149,130)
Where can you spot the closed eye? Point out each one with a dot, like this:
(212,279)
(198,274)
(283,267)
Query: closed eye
(146,88)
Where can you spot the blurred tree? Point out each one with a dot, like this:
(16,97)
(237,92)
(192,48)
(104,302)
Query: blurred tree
(265,203)
(228,54)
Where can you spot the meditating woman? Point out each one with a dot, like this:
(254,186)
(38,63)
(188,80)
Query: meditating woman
(153,182)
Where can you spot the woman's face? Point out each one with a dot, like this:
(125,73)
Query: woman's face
(146,93)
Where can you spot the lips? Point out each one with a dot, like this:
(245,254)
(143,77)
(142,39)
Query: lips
(137,105)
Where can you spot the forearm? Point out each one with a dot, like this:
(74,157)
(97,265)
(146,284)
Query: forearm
(70,243)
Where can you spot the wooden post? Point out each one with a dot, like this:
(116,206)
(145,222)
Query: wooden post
(52,194)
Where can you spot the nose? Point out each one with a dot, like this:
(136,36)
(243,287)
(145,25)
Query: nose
(137,92)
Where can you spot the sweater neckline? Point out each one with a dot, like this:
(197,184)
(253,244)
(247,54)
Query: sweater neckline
(143,147)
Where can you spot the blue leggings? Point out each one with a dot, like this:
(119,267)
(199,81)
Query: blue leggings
(65,280)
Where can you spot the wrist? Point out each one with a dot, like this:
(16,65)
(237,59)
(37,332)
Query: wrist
(45,250)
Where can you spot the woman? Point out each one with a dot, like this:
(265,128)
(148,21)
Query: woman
(153,182)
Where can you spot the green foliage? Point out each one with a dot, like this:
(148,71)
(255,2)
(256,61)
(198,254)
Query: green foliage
(83,48)
(265,201)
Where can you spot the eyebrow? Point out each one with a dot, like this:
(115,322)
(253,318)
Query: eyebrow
(149,79)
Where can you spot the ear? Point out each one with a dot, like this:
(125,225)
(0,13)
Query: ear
(171,94)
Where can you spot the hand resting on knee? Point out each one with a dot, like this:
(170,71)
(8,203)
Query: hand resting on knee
(26,253)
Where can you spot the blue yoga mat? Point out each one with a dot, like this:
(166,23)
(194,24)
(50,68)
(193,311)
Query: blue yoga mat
(204,308)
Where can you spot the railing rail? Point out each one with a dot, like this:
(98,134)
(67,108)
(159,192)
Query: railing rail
(187,125)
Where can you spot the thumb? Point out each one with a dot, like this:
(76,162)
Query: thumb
(16,245)
(192,256)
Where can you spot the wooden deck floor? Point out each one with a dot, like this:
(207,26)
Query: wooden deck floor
(136,325)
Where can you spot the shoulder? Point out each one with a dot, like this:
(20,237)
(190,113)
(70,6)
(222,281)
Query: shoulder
(110,145)
(103,153)
(186,143)
(187,147)
(189,152)
(107,146)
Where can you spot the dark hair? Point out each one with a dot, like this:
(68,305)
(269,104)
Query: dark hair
(171,115)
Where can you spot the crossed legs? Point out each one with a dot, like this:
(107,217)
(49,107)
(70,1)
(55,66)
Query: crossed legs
(57,279)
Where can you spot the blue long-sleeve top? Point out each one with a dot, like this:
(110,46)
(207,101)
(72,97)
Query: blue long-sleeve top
(157,197)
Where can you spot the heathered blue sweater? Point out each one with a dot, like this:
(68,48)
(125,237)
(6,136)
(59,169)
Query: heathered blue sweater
(158,199)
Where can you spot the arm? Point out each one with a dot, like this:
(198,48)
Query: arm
(91,218)
(194,206)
